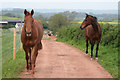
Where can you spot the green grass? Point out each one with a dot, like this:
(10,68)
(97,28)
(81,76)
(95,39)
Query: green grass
(107,56)
(13,68)
(98,22)
(7,45)
(5,17)
(45,38)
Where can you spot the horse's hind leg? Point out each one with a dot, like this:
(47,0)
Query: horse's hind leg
(92,46)
(97,49)
(86,45)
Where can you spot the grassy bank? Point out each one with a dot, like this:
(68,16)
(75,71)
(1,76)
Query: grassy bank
(108,49)
(13,68)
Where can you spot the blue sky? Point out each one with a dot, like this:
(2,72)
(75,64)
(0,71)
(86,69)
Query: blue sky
(61,4)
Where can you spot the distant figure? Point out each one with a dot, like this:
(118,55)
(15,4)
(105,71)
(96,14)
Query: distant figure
(49,33)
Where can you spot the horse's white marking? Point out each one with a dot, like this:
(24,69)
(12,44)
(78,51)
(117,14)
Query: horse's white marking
(28,35)
(91,59)
(96,58)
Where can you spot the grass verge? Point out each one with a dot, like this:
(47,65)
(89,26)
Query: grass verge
(46,38)
(13,68)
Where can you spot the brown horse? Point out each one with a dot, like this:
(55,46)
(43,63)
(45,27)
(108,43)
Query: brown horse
(31,36)
(92,33)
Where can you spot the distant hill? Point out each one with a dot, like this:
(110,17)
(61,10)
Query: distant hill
(103,15)
(78,10)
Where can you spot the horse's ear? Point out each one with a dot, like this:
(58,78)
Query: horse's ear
(86,15)
(32,12)
(25,11)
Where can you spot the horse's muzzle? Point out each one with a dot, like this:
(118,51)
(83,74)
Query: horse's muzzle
(28,34)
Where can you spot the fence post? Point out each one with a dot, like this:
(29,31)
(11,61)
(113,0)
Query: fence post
(14,44)
(20,41)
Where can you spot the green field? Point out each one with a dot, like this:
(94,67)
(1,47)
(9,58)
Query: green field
(6,17)
(108,49)
(98,22)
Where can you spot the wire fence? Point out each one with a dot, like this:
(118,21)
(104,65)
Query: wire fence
(8,43)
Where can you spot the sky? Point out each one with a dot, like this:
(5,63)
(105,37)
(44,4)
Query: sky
(61,4)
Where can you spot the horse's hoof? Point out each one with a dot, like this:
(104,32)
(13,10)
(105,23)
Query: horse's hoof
(96,58)
(91,59)
(27,73)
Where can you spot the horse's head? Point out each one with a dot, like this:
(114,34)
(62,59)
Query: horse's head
(28,22)
(87,21)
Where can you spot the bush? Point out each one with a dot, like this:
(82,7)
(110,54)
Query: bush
(109,34)
(8,26)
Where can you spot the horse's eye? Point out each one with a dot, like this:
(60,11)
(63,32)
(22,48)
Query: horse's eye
(85,20)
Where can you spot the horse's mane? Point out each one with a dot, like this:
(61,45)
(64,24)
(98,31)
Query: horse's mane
(95,18)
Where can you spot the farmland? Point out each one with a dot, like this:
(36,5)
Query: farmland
(112,23)
(6,17)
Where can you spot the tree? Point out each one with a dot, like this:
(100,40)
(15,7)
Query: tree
(43,20)
(70,15)
(9,15)
(57,21)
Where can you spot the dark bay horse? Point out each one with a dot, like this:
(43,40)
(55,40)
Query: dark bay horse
(92,33)
(31,36)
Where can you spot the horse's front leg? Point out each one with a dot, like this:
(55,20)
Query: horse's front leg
(97,50)
(92,46)
(30,67)
(34,52)
(86,45)
(26,57)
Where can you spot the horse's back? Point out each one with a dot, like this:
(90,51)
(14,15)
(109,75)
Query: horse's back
(39,26)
